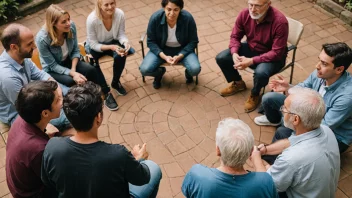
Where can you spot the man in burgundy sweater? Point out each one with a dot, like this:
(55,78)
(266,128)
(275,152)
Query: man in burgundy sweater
(37,103)
(264,51)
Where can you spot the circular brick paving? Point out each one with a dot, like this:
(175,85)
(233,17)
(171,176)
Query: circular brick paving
(178,122)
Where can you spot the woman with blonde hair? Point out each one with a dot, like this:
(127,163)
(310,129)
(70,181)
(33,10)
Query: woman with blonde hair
(60,55)
(106,36)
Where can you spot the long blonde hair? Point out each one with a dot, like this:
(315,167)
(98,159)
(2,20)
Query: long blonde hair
(98,8)
(53,14)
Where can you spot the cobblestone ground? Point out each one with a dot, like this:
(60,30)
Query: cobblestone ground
(178,121)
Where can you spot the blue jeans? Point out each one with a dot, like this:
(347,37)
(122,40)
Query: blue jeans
(271,103)
(61,122)
(151,62)
(262,71)
(150,189)
(118,65)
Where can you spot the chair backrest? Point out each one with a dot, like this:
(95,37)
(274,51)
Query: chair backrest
(35,59)
(82,49)
(295,29)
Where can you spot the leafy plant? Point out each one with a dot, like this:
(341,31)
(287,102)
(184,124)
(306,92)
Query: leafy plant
(8,9)
(348,5)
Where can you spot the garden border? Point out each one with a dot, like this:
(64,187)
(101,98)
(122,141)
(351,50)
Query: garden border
(336,10)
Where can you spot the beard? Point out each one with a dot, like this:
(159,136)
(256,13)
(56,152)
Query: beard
(289,124)
(256,17)
(24,54)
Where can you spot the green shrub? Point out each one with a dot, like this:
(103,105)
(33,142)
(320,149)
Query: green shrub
(348,5)
(8,9)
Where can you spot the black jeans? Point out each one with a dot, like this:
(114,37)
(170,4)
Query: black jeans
(118,65)
(82,67)
(262,71)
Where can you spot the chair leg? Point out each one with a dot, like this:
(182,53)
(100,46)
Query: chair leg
(197,80)
(143,79)
(291,73)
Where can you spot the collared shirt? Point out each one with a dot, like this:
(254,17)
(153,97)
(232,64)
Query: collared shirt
(310,167)
(24,151)
(186,32)
(338,104)
(13,77)
(268,38)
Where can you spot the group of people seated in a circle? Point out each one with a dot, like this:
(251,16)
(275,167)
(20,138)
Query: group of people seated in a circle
(39,107)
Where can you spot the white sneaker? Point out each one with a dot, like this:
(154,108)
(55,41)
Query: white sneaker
(263,121)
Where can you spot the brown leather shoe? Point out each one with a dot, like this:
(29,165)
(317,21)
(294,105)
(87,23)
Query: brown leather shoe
(233,88)
(252,103)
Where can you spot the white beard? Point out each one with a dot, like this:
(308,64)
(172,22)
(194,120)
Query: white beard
(257,16)
(289,124)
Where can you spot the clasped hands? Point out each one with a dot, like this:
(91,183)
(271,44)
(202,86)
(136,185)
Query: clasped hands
(173,60)
(241,62)
(120,50)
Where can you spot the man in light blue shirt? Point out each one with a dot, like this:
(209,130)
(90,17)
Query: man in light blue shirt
(309,160)
(234,143)
(17,69)
(332,82)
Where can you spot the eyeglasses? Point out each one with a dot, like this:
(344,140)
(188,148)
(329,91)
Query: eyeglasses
(256,6)
(282,109)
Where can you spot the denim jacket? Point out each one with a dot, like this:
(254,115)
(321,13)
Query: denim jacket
(50,56)
(186,32)
(338,103)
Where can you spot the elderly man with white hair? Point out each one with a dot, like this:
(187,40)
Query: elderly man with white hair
(309,163)
(234,144)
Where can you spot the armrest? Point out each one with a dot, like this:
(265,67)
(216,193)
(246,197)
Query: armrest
(143,37)
(291,47)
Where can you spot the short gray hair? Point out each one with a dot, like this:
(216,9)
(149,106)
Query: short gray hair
(308,105)
(235,141)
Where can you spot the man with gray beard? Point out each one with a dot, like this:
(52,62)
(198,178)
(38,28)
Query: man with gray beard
(309,160)
(265,50)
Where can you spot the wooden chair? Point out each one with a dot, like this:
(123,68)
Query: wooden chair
(36,60)
(294,35)
(141,41)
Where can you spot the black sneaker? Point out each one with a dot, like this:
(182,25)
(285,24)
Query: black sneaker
(189,78)
(157,79)
(110,102)
(119,88)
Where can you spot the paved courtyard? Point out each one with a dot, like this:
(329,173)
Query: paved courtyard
(178,121)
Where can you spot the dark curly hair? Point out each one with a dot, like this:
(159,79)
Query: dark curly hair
(82,104)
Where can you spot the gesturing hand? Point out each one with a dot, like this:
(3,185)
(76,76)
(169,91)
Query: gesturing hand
(279,85)
(139,152)
(51,130)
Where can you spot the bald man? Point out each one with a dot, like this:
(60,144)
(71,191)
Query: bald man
(17,70)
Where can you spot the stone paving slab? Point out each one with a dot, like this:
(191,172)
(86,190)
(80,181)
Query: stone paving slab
(179,121)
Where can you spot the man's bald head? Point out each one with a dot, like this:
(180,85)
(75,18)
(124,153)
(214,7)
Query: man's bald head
(12,35)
